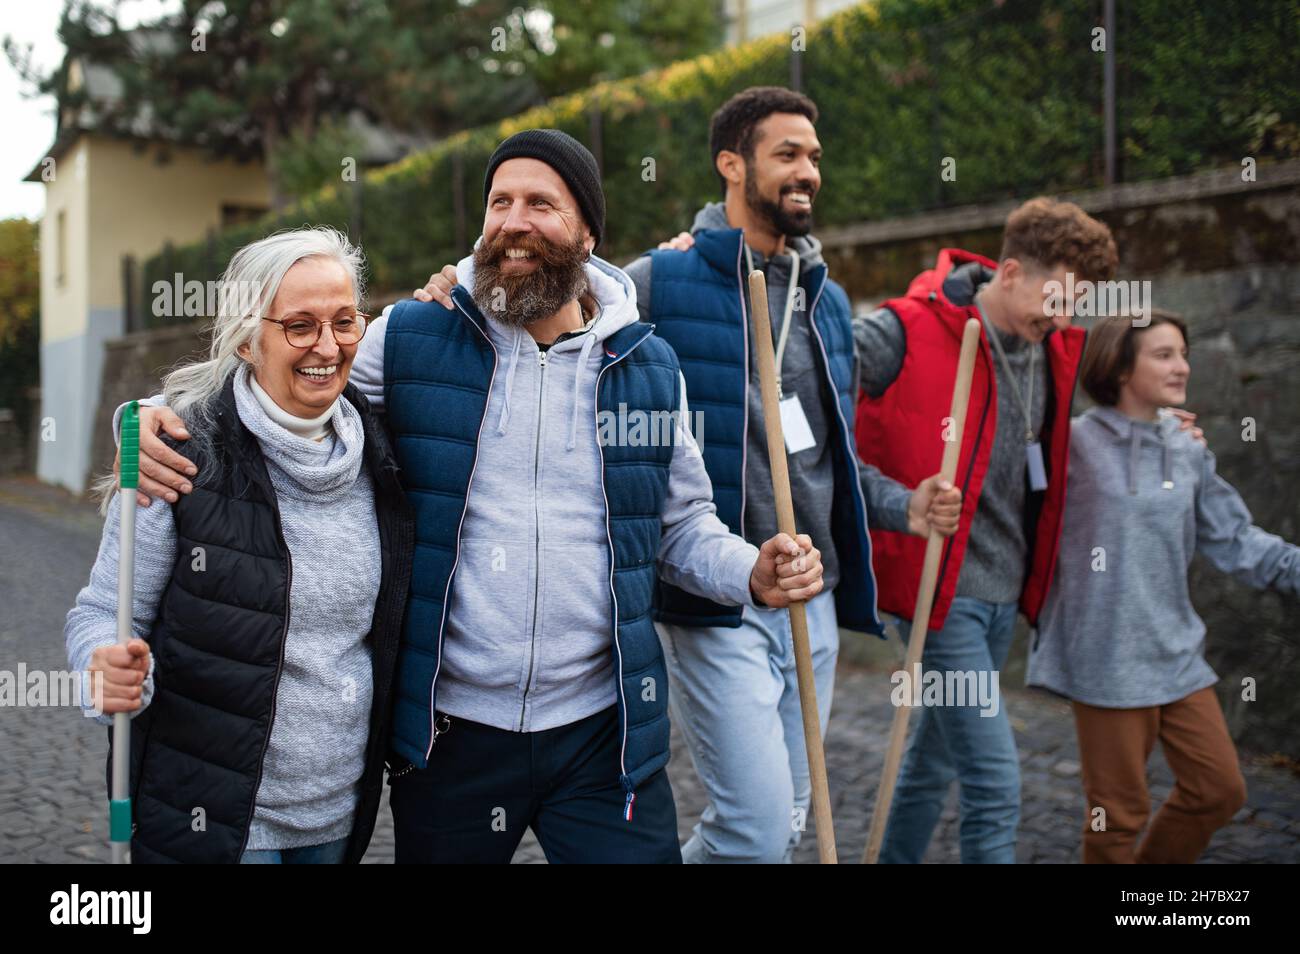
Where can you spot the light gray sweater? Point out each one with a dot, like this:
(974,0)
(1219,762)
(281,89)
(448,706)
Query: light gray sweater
(316,752)
(1118,629)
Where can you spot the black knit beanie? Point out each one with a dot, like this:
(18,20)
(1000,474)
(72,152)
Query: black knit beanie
(570,158)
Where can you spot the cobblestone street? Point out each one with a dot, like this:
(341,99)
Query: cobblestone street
(53,803)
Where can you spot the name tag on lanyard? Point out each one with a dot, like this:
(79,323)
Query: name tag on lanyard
(794,425)
(794,422)
(1034,461)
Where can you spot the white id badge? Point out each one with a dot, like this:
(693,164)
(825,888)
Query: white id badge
(1037,472)
(798,435)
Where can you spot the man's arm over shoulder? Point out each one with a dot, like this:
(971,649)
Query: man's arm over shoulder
(881,343)
(367,372)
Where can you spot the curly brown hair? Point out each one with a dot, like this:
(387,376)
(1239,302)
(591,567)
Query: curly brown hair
(1049,233)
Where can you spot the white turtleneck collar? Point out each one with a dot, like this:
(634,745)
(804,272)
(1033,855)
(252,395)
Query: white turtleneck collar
(312,428)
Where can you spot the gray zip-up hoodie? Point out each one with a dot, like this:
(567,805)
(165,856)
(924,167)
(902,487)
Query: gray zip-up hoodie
(1118,629)
(528,644)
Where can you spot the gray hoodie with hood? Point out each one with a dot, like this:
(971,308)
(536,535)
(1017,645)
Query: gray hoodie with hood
(1118,629)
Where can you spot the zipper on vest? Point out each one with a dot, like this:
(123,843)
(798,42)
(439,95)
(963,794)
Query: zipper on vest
(846,435)
(275,690)
(451,577)
(744,341)
(1031,546)
(609,539)
(537,530)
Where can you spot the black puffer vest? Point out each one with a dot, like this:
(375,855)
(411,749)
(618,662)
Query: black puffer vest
(218,647)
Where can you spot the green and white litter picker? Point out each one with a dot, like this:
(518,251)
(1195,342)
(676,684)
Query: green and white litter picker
(119,806)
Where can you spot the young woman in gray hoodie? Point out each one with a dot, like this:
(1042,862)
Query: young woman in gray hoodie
(1118,634)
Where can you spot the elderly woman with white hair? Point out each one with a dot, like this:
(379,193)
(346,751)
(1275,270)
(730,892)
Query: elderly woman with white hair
(269,600)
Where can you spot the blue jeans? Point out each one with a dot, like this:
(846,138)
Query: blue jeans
(734,696)
(330,853)
(958,742)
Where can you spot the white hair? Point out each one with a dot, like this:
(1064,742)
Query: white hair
(245,292)
(247,288)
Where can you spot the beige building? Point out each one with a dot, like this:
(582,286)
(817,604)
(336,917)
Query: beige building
(106,198)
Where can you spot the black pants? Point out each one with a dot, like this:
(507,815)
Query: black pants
(484,786)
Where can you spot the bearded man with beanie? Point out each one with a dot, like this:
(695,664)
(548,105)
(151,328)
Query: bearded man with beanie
(532,690)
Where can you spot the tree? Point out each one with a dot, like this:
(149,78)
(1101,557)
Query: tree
(594,41)
(244,78)
(269,78)
(20,333)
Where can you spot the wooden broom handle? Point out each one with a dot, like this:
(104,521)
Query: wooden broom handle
(761,323)
(955,427)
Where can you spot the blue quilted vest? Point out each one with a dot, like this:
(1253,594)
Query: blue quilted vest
(698,306)
(438,370)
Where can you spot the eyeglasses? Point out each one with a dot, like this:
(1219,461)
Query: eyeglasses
(303,331)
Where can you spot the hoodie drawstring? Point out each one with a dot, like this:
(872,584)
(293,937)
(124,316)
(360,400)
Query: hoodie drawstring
(577,379)
(510,380)
(1168,482)
(1134,451)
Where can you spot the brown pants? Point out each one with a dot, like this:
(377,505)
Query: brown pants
(1114,745)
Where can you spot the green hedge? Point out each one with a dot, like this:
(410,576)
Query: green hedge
(1012,92)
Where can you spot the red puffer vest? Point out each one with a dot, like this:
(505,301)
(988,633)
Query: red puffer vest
(901,431)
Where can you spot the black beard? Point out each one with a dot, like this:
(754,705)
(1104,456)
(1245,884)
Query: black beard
(560,277)
(781,221)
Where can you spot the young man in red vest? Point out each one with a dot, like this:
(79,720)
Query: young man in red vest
(1011,473)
